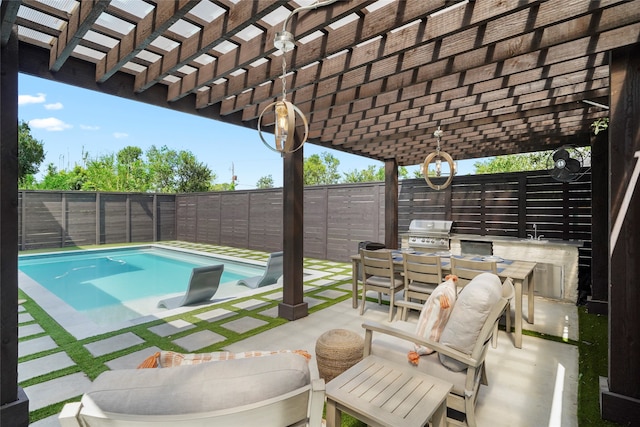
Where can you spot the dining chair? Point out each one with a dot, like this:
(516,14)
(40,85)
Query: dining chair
(379,276)
(422,274)
(467,269)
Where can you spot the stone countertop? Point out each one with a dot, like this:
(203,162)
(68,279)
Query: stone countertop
(518,240)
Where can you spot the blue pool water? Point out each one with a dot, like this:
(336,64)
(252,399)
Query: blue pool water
(98,279)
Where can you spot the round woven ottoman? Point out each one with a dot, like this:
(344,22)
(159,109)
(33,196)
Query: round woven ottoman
(336,351)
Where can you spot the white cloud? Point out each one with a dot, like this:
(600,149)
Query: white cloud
(89,127)
(54,106)
(120,135)
(31,99)
(50,124)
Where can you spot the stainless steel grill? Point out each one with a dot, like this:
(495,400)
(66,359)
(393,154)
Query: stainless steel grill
(429,234)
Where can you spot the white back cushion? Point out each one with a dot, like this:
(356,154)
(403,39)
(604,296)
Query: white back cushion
(468,316)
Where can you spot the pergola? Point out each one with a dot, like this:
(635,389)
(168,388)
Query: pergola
(374,78)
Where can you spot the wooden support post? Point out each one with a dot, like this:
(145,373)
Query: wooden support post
(620,393)
(14,404)
(292,306)
(391,204)
(598,303)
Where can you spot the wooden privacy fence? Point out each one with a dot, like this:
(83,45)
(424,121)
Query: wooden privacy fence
(53,219)
(336,217)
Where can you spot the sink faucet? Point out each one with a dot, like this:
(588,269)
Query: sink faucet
(535,235)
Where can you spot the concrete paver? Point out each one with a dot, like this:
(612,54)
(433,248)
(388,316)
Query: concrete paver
(215,315)
(43,365)
(28,330)
(113,344)
(172,327)
(244,324)
(250,304)
(57,390)
(36,345)
(198,340)
(131,360)
(24,318)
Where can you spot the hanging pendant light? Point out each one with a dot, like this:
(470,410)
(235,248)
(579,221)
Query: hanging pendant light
(438,156)
(285,112)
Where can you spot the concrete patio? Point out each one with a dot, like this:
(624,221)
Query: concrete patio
(532,386)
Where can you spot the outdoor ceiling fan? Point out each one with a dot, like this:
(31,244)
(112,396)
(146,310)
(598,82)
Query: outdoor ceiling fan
(565,164)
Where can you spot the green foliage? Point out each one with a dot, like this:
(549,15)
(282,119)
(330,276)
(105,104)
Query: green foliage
(321,169)
(30,152)
(265,182)
(372,173)
(163,170)
(193,176)
(513,163)
(599,125)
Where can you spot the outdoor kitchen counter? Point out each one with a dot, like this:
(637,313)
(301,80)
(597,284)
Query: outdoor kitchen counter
(518,240)
(561,256)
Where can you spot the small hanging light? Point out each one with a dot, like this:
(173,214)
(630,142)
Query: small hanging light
(438,156)
(285,111)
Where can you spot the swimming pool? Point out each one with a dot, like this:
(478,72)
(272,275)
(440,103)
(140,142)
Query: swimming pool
(115,285)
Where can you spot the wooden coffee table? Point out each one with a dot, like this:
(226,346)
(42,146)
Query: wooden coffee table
(386,394)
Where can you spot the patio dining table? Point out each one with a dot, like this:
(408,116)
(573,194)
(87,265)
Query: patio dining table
(521,272)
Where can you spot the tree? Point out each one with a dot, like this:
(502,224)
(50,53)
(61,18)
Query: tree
(513,163)
(371,173)
(193,176)
(265,182)
(61,180)
(321,169)
(163,167)
(132,171)
(30,152)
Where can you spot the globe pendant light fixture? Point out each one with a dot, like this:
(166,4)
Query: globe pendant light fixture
(285,112)
(438,156)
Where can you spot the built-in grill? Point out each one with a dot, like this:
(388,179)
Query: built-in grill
(429,234)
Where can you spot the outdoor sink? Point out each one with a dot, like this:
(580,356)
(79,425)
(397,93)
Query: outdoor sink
(540,241)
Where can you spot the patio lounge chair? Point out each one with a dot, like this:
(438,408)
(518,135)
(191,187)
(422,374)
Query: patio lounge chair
(460,354)
(268,391)
(272,273)
(203,284)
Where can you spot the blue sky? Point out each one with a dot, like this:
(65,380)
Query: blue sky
(69,120)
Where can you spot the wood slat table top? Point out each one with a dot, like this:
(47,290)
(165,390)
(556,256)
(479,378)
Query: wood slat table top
(387,393)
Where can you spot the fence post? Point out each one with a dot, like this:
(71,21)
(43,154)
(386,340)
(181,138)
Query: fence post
(23,214)
(127,220)
(98,218)
(155,217)
(63,219)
